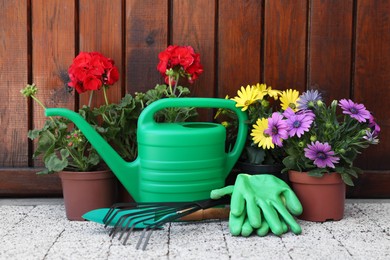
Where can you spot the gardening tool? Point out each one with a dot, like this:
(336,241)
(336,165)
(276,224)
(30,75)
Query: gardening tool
(176,161)
(261,202)
(126,217)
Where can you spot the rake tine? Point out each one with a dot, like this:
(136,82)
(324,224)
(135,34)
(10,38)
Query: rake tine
(184,211)
(118,226)
(128,234)
(163,220)
(126,228)
(116,206)
(126,218)
(145,217)
(149,234)
(132,228)
(167,212)
(110,216)
(141,238)
(123,223)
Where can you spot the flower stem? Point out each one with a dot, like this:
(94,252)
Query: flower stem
(176,82)
(170,84)
(38,101)
(90,98)
(42,105)
(105,94)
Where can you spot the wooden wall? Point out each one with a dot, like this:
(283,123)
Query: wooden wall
(339,47)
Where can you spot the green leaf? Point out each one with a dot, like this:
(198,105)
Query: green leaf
(317,172)
(255,155)
(351,172)
(46,144)
(44,171)
(93,159)
(357,170)
(347,179)
(32,134)
(55,164)
(289,162)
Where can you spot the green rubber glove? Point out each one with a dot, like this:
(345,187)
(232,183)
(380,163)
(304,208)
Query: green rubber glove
(239,225)
(254,196)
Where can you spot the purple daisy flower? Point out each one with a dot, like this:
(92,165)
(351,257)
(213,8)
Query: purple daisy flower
(308,99)
(371,137)
(355,110)
(373,125)
(321,154)
(277,128)
(298,123)
(288,112)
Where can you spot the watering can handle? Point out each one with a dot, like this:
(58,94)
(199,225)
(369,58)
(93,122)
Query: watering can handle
(147,117)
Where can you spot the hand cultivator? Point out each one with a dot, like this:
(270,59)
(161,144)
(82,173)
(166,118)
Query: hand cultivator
(126,217)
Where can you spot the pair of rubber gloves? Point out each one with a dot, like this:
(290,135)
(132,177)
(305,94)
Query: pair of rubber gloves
(261,203)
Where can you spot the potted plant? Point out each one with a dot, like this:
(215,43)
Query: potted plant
(117,123)
(321,143)
(260,155)
(87,183)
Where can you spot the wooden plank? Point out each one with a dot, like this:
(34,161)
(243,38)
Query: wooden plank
(101,30)
(331,48)
(52,31)
(371,184)
(239,45)
(285,44)
(372,75)
(194,24)
(13,77)
(24,182)
(146,37)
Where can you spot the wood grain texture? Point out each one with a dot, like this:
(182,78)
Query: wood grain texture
(285,44)
(146,37)
(13,77)
(339,47)
(24,182)
(372,75)
(331,48)
(196,28)
(100,29)
(239,45)
(52,31)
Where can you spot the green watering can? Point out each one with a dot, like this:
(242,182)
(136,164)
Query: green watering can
(176,161)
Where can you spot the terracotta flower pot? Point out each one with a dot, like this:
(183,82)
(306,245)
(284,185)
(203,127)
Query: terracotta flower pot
(85,191)
(322,198)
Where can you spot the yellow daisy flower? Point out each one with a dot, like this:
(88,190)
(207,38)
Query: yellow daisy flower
(274,93)
(261,90)
(246,97)
(289,98)
(260,138)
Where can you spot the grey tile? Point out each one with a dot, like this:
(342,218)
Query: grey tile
(32,229)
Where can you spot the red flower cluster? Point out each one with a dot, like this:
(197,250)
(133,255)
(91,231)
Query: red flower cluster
(92,70)
(177,57)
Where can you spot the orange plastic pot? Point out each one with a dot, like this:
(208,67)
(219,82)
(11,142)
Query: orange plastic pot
(322,198)
(85,191)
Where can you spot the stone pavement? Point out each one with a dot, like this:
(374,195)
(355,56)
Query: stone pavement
(38,229)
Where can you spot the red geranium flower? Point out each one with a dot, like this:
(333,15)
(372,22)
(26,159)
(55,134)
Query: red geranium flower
(183,60)
(91,71)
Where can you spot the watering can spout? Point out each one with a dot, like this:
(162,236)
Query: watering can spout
(124,171)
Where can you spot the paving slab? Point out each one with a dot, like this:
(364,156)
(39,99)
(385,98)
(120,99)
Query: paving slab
(38,229)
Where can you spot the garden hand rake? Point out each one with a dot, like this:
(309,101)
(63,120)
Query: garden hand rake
(125,217)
